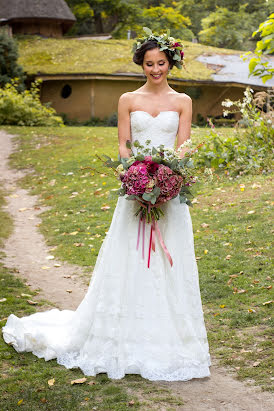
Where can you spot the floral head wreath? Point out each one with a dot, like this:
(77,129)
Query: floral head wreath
(165,42)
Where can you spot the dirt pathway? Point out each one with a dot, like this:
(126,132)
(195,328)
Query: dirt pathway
(26,251)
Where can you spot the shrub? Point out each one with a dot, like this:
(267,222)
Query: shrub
(25,108)
(9,68)
(246,151)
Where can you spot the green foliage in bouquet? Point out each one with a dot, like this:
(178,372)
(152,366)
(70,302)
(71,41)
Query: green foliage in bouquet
(160,155)
(248,151)
(25,108)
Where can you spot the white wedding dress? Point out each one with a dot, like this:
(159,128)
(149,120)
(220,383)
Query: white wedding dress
(133,319)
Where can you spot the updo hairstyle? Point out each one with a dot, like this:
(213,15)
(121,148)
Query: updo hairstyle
(139,54)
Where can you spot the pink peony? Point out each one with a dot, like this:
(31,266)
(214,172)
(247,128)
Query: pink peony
(169,183)
(149,164)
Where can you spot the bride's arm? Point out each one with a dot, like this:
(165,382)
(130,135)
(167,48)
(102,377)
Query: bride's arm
(184,129)
(124,133)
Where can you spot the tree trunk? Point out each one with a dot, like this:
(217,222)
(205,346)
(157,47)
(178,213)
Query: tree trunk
(98,22)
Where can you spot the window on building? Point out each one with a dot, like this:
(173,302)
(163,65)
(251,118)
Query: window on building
(66,91)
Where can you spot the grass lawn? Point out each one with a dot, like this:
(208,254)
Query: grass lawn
(231,225)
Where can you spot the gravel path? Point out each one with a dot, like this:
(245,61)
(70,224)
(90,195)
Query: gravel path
(62,284)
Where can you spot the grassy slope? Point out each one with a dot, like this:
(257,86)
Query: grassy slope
(53,56)
(24,377)
(234,289)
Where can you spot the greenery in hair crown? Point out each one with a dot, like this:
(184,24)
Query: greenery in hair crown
(165,42)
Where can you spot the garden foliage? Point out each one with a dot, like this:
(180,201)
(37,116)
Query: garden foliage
(9,68)
(245,151)
(25,108)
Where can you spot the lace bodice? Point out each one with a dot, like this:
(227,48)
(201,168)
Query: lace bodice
(161,129)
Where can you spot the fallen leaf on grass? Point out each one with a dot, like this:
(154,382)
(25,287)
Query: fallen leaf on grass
(31,302)
(20,402)
(228,257)
(74,194)
(198,258)
(269,287)
(256,185)
(96,192)
(50,257)
(222,306)
(78,244)
(43,400)
(256,363)
(237,291)
(131,402)
(25,295)
(79,381)
(2,300)
(204,225)
(74,233)
(51,382)
(268,302)
(251,212)
(251,310)
(104,208)
(205,251)
(91,383)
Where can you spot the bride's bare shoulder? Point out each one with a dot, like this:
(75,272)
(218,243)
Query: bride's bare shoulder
(183,100)
(127,99)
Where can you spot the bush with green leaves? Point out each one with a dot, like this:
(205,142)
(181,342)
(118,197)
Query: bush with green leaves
(25,108)
(9,68)
(248,150)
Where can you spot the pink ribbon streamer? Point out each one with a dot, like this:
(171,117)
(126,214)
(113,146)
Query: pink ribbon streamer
(154,230)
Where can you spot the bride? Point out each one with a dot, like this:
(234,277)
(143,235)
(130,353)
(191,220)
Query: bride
(134,319)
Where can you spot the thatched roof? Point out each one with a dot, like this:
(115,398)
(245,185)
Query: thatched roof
(30,9)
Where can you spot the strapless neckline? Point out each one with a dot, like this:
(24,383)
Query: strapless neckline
(161,112)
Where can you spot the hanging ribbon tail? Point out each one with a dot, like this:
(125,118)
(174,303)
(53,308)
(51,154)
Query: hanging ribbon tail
(139,230)
(153,235)
(143,245)
(149,248)
(163,244)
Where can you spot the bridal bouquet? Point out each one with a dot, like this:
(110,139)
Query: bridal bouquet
(153,176)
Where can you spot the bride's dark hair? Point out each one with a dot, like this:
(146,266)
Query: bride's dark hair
(139,54)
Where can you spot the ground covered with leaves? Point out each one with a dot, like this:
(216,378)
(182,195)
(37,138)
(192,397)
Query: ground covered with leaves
(231,224)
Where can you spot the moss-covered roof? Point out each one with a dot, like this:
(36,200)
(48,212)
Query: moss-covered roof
(53,56)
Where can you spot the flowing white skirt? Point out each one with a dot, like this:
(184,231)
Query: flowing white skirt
(133,320)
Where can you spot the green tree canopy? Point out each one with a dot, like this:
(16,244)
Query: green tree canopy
(225,28)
